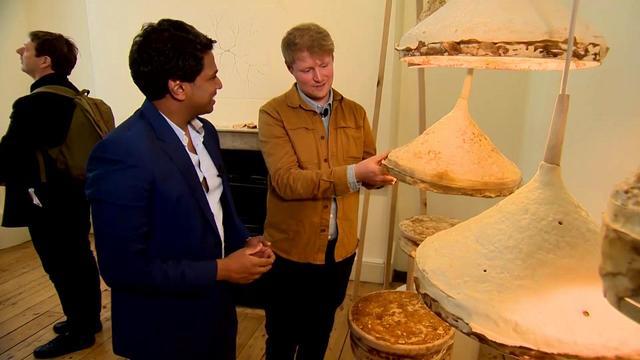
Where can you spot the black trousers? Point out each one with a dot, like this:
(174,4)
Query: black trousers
(60,235)
(301,305)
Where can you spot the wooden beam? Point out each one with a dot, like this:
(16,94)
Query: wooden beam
(374,128)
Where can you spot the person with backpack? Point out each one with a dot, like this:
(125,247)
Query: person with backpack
(42,193)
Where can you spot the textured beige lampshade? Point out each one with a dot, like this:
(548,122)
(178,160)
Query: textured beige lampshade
(417,228)
(429,7)
(523,277)
(620,267)
(500,34)
(454,156)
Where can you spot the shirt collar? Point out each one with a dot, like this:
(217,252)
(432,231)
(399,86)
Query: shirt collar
(319,108)
(197,126)
(194,124)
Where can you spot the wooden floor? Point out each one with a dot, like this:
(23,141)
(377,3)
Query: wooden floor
(29,307)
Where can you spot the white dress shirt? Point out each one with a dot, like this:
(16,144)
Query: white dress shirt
(205,168)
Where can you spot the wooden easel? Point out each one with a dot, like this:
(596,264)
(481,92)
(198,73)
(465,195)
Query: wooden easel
(422,124)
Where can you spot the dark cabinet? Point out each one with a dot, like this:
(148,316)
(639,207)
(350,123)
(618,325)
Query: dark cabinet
(247,174)
(248,177)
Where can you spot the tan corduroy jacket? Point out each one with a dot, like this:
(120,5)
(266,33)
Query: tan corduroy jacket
(306,170)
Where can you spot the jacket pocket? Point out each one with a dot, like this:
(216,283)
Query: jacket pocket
(304,141)
(351,143)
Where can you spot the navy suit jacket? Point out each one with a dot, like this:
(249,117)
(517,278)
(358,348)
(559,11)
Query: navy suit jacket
(157,242)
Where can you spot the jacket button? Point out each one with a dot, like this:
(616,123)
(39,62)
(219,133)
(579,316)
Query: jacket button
(326,160)
(322,137)
(323,231)
(325,206)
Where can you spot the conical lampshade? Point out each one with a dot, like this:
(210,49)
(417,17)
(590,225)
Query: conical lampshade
(523,277)
(500,34)
(454,156)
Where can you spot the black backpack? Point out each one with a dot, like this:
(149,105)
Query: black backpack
(92,120)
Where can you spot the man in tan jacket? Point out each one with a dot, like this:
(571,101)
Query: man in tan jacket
(319,151)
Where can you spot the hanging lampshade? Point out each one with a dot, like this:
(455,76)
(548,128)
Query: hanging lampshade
(523,277)
(620,267)
(429,7)
(454,156)
(500,34)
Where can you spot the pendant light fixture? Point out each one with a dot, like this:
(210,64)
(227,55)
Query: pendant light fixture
(500,34)
(454,156)
(620,267)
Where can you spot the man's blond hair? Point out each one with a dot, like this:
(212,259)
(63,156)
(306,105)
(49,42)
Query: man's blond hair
(309,37)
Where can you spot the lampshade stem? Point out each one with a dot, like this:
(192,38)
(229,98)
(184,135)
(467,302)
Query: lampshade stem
(466,87)
(569,53)
(555,139)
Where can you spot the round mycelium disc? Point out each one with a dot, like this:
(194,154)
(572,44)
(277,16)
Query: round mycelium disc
(419,227)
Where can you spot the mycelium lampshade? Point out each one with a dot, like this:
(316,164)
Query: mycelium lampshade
(620,267)
(500,34)
(454,156)
(523,276)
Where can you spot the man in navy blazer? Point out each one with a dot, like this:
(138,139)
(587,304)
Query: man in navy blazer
(168,239)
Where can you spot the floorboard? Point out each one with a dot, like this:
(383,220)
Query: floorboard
(29,307)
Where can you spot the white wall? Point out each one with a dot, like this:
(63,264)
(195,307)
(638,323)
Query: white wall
(13,25)
(248,49)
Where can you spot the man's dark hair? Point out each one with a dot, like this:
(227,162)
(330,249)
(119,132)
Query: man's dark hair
(60,49)
(167,50)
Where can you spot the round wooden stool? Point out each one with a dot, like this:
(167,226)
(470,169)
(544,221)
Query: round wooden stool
(394,325)
(414,230)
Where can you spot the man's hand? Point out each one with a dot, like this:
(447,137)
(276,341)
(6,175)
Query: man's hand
(242,267)
(260,247)
(371,174)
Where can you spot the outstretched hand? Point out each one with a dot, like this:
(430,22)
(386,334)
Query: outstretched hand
(371,173)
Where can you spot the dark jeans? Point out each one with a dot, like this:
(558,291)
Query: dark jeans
(60,235)
(301,305)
